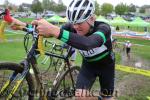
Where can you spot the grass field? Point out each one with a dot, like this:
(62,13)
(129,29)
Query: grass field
(140,47)
(13,39)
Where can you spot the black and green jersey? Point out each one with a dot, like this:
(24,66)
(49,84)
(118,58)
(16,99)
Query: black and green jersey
(95,46)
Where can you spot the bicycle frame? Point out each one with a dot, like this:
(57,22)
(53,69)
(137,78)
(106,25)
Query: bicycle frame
(54,46)
(30,62)
(31,59)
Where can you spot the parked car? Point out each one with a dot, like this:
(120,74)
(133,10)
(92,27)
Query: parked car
(49,14)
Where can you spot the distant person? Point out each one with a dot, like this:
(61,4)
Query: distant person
(128,48)
(114,43)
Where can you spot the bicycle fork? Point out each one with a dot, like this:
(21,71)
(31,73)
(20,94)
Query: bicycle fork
(8,82)
(13,78)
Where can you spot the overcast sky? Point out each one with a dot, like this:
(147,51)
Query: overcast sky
(66,2)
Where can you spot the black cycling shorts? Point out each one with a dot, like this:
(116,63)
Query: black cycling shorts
(128,50)
(105,72)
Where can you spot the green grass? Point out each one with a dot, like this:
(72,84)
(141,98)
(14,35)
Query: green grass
(10,35)
(117,58)
(134,40)
(26,19)
(139,50)
(11,51)
(137,90)
(142,51)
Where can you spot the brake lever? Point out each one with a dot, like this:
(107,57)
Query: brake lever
(40,40)
(35,32)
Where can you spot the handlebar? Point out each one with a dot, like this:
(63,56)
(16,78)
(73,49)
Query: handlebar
(39,39)
(32,31)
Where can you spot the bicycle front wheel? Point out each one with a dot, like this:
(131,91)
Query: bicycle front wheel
(65,86)
(26,88)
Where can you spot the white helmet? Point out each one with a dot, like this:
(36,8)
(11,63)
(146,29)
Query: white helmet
(80,10)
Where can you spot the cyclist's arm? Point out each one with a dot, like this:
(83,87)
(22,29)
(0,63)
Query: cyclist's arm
(18,22)
(83,42)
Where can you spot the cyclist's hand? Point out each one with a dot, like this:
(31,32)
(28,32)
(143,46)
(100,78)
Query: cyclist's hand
(46,29)
(7,16)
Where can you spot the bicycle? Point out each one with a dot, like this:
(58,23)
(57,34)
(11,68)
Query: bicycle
(20,75)
(53,48)
(49,61)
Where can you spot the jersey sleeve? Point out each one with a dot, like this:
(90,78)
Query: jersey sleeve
(104,31)
(97,38)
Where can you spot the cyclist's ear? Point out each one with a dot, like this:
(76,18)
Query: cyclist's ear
(92,19)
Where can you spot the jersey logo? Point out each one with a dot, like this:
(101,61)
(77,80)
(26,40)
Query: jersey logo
(94,51)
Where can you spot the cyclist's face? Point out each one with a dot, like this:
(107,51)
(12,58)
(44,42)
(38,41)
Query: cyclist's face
(82,28)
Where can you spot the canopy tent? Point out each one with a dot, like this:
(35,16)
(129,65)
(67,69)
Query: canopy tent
(119,21)
(55,18)
(63,20)
(139,25)
(101,18)
(138,22)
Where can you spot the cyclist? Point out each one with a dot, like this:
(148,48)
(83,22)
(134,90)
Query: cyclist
(114,43)
(93,40)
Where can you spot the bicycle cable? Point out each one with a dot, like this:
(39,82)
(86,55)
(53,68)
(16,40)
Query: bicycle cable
(26,42)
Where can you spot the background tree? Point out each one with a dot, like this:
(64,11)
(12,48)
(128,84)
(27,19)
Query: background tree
(6,3)
(132,8)
(52,5)
(60,7)
(36,7)
(13,7)
(46,4)
(121,9)
(106,8)
(142,9)
(21,9)
(56,7)
(97,8)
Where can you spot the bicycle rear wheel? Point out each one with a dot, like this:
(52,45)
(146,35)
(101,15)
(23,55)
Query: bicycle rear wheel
(25,90)
(65,86)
